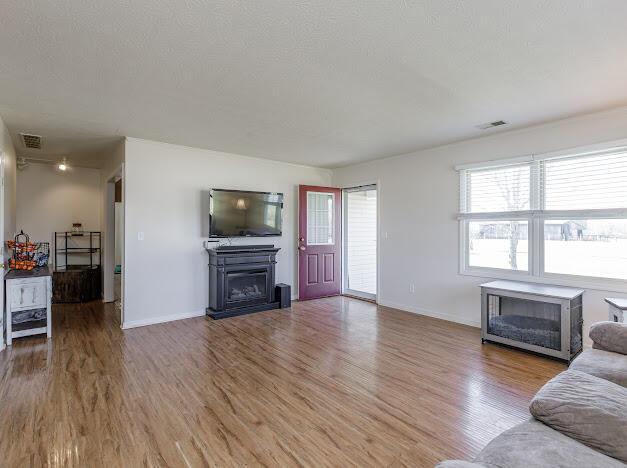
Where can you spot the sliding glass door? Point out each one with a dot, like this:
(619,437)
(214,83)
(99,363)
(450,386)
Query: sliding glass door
(360,241)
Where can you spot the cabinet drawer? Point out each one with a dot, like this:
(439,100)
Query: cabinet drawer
(28,295)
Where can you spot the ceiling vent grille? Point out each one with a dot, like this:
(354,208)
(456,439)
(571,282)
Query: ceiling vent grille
(31,141)
(496,123)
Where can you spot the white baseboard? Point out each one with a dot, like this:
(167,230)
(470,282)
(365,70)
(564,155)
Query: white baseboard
(430,313)
(414,310)
(162,319)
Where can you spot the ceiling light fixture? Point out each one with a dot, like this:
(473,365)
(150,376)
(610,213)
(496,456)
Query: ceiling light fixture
(63,165)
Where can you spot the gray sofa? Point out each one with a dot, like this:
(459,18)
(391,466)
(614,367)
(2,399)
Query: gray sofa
(579,417)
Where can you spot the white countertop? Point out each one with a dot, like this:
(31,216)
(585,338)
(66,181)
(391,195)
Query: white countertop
(539,289)
(616,302)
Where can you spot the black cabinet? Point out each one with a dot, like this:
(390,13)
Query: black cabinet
(77,273)
(241,280)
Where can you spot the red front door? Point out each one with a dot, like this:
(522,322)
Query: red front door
(319,242)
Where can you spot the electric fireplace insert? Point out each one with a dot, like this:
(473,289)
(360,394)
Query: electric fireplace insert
(241,280)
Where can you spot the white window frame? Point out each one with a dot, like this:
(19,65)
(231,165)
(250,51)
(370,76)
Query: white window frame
(333,220)
(535,218)
(466,268)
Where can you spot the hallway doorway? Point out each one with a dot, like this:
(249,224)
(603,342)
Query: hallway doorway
(118,241)
(113,258)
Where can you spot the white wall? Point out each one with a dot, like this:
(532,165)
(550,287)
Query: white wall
(8,151)
(418,206)
(7,214)
(166,198)
(50,200)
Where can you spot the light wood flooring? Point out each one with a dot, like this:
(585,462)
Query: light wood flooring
(331,382)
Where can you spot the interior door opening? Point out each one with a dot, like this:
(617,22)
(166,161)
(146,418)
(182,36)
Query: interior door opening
(113,253)
(118,241)
(360,242)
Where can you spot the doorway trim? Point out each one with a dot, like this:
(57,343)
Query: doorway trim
(3,254)
(109,240)
(345,289)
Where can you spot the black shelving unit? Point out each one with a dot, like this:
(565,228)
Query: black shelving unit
(65,250)
(77,271)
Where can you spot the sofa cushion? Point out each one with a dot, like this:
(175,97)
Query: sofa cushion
(585,408)
(604,364)
(609,336)
(534,445)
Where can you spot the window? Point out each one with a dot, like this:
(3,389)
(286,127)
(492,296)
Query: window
(501,189)
(496,201)
(586,182)
(499,244)
(320,223)
(586,247)
(561,215)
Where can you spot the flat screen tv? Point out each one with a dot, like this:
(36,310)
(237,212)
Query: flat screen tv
(235,213)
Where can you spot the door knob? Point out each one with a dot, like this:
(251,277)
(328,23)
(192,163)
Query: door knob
(302,247)
(302,239)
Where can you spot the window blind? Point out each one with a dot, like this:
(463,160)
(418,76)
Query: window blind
(585,182)
(562,213)
(558,184)
(497,189)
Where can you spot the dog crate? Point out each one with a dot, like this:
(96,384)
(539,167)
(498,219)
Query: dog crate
(536,317)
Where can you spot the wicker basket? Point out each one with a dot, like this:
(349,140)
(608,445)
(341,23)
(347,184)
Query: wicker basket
(28,255)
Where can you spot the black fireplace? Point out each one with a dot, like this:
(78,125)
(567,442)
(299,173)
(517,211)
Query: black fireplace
(241,280)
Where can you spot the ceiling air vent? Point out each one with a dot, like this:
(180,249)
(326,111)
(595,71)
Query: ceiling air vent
(496,123)
(31,141)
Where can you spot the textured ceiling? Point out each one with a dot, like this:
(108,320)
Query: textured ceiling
(323,83)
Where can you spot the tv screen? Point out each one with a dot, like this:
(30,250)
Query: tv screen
(245,214)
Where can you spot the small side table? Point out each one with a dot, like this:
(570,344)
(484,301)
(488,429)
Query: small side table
(28,303)
(618,309)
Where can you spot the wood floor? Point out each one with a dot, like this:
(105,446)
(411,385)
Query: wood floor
(333,382)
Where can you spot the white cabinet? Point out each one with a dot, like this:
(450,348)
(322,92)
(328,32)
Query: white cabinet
(618,309)
(28,294)
(28,303)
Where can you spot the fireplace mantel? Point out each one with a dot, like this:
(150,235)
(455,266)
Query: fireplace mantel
(241,280)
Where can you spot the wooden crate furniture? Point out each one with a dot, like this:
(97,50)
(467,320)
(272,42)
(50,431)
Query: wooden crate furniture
(618,309)
(541,318)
